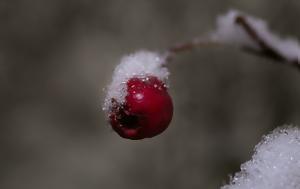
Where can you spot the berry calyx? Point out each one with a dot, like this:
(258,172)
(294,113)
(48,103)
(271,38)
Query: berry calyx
(146,112)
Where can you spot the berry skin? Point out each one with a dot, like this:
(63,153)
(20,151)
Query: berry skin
(147,111)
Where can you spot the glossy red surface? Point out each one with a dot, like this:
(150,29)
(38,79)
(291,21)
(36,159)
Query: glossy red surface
(147,111)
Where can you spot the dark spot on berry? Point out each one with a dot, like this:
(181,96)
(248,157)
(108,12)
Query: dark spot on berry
(129,121)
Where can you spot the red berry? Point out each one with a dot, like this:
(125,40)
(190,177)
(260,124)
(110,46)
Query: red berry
(147,110)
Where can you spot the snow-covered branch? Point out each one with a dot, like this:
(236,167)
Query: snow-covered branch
(250,34)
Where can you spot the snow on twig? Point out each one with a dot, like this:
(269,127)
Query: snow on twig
(247,33)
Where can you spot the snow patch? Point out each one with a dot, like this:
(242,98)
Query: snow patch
(274,165)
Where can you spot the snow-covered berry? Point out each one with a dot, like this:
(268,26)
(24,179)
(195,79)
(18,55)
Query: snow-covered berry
(138,104)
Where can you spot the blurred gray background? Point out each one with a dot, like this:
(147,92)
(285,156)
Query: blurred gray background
(56,56)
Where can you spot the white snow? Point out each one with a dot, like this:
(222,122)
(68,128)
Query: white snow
(227,31)
(274,165)
(140,64)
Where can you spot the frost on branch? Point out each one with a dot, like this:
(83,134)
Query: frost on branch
(274,165)
(253,34)
(139,65)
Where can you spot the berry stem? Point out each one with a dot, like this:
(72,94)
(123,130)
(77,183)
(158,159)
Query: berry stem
(189,46)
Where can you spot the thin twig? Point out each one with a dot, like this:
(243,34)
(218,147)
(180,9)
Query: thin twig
(189,46)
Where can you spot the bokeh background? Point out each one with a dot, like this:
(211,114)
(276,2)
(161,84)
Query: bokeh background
(56,56)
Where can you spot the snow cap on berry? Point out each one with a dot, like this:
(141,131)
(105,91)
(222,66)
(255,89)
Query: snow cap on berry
(137,65)
(274,165)
(229,32)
